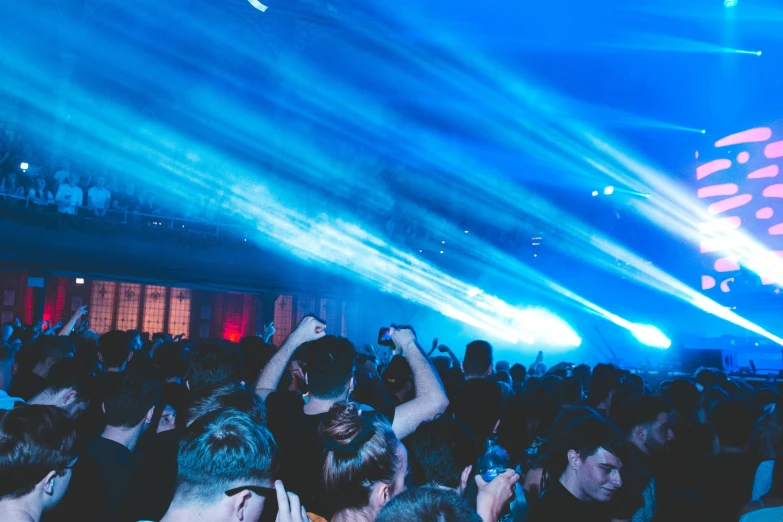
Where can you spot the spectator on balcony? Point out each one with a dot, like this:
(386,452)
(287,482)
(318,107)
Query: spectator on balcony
(69,196)
(11,187)
(62,175)
(127,200)
(99,197)
(40,193)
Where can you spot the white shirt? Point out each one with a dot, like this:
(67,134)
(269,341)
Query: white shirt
(61,175)
(68,205)
(98,197)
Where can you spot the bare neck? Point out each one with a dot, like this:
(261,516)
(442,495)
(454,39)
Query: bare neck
(316,406)
(128,437)
(41,369)
(20,510)
(354,515)
(191,513)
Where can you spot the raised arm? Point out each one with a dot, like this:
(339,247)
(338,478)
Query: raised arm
(430,400)
(308,330)
(68,327)
(455,362)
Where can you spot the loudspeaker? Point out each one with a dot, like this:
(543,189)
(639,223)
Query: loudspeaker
(693,359)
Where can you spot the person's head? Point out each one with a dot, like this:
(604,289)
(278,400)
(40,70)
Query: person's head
(442,453)
(7,354)
(591,464)
(114,350)
(100,182)
(684,397)
(733,421)
(503,377)
(478,360)
(571,393)
(37,450)
(135,339)
(211,365)
(226,466)
(132,405)
(329,363)
(11,179)
(40,184)
(603,387)
(398,377)
(502,366)
(170,358)
(6,330)
(73,179)
(50,350)
(428,504)
(518,373)
(69,386)
(228,396)
(479,405)
(365,463)
(646,422)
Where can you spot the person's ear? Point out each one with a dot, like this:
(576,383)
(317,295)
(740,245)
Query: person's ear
(49,482)
(464,478)
(187,384)
(383,494)
(573,459)
(100,357)
(150,415)
(306,379)
(68,397)
(640,433)
(130,355)
(50,361)
(103,407)
(239,504)
(490,370)
(351,385)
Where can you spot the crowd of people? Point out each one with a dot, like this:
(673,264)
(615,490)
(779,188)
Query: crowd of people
(119,427)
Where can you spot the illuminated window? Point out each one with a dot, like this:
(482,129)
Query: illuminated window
(102,306)
(304,306)
(179,311)
(154,309)
(283,316)
(128,308)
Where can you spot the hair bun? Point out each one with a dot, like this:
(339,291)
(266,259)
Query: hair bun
(344,428)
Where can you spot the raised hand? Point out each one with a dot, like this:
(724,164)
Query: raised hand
(309,329)
(289,508)
(403,336)
(493,496)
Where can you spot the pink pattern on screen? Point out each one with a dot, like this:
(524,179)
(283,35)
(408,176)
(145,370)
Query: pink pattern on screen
(765,172)
(727,189)
(765,213)
(712,167)
(748,136)
(746,188)
(729,204)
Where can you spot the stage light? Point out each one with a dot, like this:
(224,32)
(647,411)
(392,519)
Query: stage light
(467,232)
(730,3)
(758,53)
(649,335)
(258,5)
(79,281)
(704,131)
(595,193)
(24,166)
(609,191)
(546,328)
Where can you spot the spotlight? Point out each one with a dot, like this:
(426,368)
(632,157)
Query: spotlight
(758,53)
(24,166)
(595,193)
(704,131)
(467,231)
(730,3)
(649,335)
(609,191)
(79,280)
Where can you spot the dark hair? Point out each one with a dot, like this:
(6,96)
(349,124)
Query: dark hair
(479,405)
(211,365)
(7,353)
(684,396)
(170,358)
(71,374)
(329,365)
(518,373)
(229,396)
(34,441)
(478,358)
(361,451)
(439,451)
(221,450)
(571,391)
(733,421)
(428,504)
(114,347)
(638,410)
(600,388)
(257,354)
(56,346)
(503,377)
(141,390)
(397,374)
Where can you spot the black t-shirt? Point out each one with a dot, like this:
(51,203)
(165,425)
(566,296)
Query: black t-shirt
(726,484)
(557,504)
(636,476)
(296,434)
(155,477)
(27,385)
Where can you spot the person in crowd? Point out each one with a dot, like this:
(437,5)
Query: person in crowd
(726,479)
(365,464)
(398,380)
(37,453)
(62,174)
(428,504)
(11,187)
(99,197)
(6,331)
(646,423)
(585,467)
(603,388)
(102,477)
(226,469)
(69,196)
(769,506)
(68,386)
(40,193)
(44,354)
(211,365)
(479,405)
(329,365)
(127,200)
(477,362)
(7,354)
(442,452)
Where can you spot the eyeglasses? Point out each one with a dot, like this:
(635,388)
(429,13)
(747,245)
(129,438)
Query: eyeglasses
(258,490)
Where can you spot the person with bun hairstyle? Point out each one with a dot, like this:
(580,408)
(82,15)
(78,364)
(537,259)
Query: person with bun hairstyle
(365,463)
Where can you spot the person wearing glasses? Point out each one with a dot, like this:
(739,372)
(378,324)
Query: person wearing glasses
(37,452)
(227,464)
